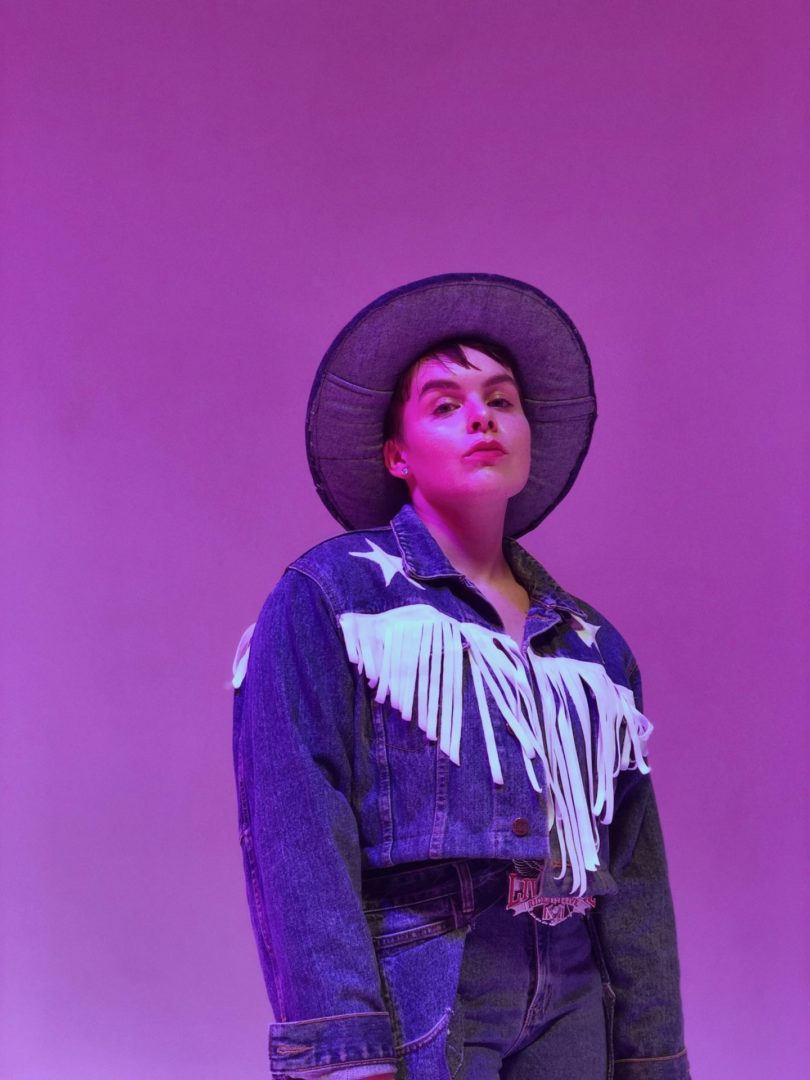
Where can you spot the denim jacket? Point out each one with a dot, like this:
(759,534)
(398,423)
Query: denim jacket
(382,717)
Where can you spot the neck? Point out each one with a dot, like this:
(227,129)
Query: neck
(471,537)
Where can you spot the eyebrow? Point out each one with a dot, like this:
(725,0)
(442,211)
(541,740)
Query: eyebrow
(451,384)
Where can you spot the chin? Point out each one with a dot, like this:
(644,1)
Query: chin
(490,492)
(498,484)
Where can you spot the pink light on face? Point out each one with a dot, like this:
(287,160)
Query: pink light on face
(464,434)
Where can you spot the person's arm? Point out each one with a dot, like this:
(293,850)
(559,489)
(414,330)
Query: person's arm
(294,746)
(636,929)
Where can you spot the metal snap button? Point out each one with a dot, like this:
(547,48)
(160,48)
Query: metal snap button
(520,826)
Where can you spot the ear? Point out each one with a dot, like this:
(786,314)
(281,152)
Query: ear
(394,459)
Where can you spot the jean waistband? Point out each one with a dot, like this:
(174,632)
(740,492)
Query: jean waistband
(469,881)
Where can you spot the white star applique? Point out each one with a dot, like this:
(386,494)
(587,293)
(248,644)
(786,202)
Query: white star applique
(587,631)
(389,564)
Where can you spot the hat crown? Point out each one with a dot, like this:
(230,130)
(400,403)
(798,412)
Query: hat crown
(354,382)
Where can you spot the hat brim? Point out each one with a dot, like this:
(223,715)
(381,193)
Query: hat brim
(355,380)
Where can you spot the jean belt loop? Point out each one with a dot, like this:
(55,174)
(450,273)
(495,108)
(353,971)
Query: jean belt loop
(466,888)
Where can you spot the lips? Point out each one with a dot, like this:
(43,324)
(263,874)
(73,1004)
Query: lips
(487,448)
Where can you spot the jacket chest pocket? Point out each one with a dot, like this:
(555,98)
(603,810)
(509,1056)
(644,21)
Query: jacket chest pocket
(397,738)
(411,772)
(405,736)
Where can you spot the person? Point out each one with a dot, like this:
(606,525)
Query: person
(452,850)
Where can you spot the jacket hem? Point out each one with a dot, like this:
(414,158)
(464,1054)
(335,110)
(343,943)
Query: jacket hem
(668,1067)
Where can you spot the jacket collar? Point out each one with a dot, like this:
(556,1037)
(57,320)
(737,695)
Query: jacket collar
(424,560)
(543,590)
(421,555)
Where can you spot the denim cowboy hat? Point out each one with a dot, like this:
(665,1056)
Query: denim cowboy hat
(354,383)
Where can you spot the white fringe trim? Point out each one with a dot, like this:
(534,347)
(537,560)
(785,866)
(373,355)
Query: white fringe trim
(414,656)
(240,660)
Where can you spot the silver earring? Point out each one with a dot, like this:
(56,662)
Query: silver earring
(404,470)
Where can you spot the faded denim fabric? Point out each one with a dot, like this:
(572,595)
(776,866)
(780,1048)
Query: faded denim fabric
(335,788)
(527,998)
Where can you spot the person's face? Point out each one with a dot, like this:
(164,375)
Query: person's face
(463,434)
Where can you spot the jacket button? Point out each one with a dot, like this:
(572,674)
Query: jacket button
(520,826)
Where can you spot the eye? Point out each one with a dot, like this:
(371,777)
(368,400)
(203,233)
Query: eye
(443,408)
(500,402)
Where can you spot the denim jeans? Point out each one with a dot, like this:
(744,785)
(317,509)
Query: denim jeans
(476,992)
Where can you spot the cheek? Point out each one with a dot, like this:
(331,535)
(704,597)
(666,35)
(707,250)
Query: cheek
(523,434)
(523,444)
(428,444)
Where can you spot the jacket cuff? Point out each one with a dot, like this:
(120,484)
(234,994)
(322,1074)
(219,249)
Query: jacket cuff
(337,1041)
(672,1067)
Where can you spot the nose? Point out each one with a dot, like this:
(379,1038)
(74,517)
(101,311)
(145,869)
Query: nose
(481,417)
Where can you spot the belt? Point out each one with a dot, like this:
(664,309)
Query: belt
(525,895)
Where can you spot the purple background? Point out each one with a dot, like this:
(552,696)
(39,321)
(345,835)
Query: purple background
(197,197)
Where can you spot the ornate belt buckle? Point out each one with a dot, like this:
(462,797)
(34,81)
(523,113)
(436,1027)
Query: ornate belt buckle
(524,895)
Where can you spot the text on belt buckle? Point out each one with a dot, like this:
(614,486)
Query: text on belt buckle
(524,895)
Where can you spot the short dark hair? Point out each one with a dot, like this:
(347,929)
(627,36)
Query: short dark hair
(443,352)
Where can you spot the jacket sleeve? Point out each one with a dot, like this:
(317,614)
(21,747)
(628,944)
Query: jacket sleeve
(294,741)
(636,930)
